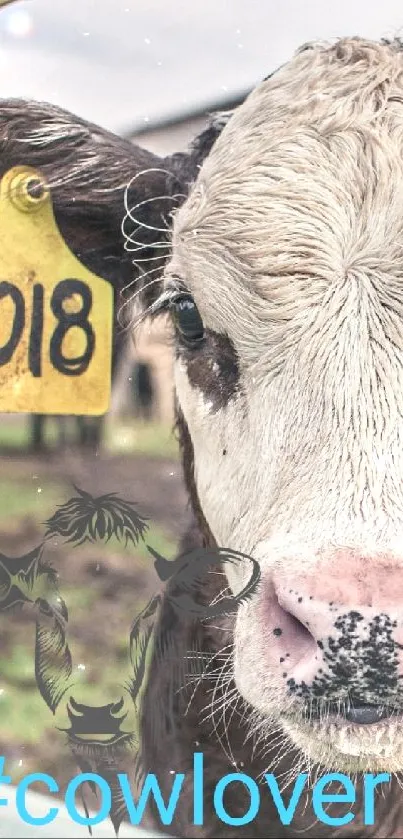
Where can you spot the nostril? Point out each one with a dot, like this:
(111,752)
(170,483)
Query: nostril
(292,627)
(291,637)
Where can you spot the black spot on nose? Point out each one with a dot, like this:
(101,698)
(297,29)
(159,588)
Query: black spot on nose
(366,714)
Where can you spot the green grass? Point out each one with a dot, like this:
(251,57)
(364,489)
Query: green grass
(23,712)
(14,435)
(131,436)
(18,670)
(157,539)
(24,715)
(151,439)
(22,498)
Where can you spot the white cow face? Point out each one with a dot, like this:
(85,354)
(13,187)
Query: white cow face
(287,286)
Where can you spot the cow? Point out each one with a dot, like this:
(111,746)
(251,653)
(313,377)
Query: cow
(275,245)
(143,390)
(84,431)
(88,431)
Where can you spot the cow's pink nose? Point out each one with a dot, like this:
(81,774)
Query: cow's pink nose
(338,630)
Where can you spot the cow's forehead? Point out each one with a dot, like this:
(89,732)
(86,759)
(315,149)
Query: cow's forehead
(351,86)
(304,183)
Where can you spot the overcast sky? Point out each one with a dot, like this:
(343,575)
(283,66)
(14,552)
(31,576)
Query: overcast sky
(126,62)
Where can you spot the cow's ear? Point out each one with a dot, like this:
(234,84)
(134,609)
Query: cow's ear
(185,165)
(112,200)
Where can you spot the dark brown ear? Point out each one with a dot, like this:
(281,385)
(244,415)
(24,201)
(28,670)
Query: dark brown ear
(113,201)
(92,175)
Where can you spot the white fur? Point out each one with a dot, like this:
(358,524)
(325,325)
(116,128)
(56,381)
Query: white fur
(291,242)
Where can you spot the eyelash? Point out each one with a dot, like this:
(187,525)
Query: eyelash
(167,298)
(190,331)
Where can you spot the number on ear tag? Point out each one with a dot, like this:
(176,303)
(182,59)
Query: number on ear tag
(55,315)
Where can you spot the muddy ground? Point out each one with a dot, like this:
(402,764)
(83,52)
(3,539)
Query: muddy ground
(104,587)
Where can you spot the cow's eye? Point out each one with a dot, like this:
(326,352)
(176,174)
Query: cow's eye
(187,320)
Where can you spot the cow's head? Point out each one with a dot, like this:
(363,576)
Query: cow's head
(285,289)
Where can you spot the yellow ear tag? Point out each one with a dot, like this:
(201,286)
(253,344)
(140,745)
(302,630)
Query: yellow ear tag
(55,315)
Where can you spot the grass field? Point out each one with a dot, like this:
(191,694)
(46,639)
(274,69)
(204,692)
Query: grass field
(103,585)
(131,436)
